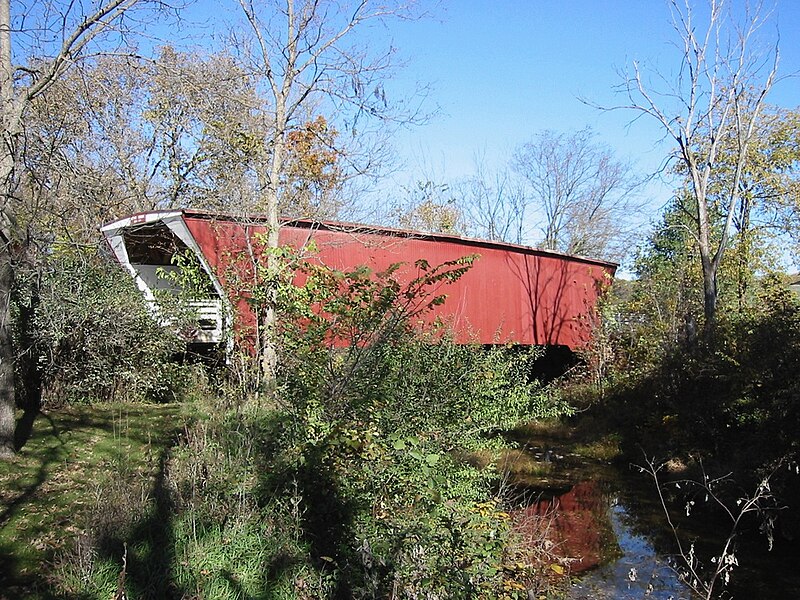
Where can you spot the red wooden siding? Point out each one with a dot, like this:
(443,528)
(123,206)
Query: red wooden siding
(512,294)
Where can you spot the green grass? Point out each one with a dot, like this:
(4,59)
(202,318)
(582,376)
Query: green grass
(606,448)
(48,489)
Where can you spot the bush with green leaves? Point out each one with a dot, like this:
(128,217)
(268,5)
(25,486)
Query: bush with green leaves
(275,508)
(733,397)
(85,330)
(352,482)
(378,418)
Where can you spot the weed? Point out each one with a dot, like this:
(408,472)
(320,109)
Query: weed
(707,578)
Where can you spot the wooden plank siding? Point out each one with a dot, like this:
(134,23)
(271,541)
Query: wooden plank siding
(511,295)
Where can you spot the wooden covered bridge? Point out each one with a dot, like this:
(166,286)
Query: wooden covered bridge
(512,294)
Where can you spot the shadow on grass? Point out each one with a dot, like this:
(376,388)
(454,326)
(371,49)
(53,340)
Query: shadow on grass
(16,557)
(327,523)
(44,487)
(24,428)
(46,459)
(84,451)
(325,518)
(147,546)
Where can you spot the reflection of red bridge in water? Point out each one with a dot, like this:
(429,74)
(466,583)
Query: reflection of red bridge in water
(574,526)
(512,294)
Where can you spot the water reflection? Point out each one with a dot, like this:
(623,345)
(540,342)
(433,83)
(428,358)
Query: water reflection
(638,572)
(591,532)
(574,526)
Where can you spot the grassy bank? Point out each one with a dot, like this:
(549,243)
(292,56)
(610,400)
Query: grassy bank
(346,479)
(58,481)
(207,507)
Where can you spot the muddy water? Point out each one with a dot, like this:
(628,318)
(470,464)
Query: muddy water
(605,522)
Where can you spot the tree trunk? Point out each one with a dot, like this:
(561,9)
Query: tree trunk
(268,311)
(7,391)
(269,349)
(709,300)
(743,258)
(8,114)
(709,268)
(28,351)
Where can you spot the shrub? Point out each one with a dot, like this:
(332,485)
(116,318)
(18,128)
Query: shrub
(351,484)
(85,331)
(377,416)
(733,396)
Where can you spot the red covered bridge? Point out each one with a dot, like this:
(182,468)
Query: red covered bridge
(512,294)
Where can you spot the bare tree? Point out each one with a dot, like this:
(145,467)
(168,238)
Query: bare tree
(305,63)
(49,38)
(715,97)
(585,194)
(495,205)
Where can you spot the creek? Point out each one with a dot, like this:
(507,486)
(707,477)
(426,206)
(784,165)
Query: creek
(607,520)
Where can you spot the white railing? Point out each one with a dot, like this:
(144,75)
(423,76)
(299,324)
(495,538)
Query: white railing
(210,321)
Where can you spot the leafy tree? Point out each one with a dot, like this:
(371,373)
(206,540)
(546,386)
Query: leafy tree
(127,134)
(769,193)
(662,309)
(429,207)
(303,61)
(313,173)
(49,38)
(90,333)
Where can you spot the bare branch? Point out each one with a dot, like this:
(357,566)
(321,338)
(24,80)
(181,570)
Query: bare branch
(717,96)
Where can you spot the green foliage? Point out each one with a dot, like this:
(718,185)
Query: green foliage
(770,182)
(757,358)
(746,229)
(189,276)
(229,538)
(377,415)
(660,309)
(89,335)
(734,396)
(352,483)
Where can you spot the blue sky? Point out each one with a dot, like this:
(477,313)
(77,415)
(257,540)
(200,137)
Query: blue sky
(503,70)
